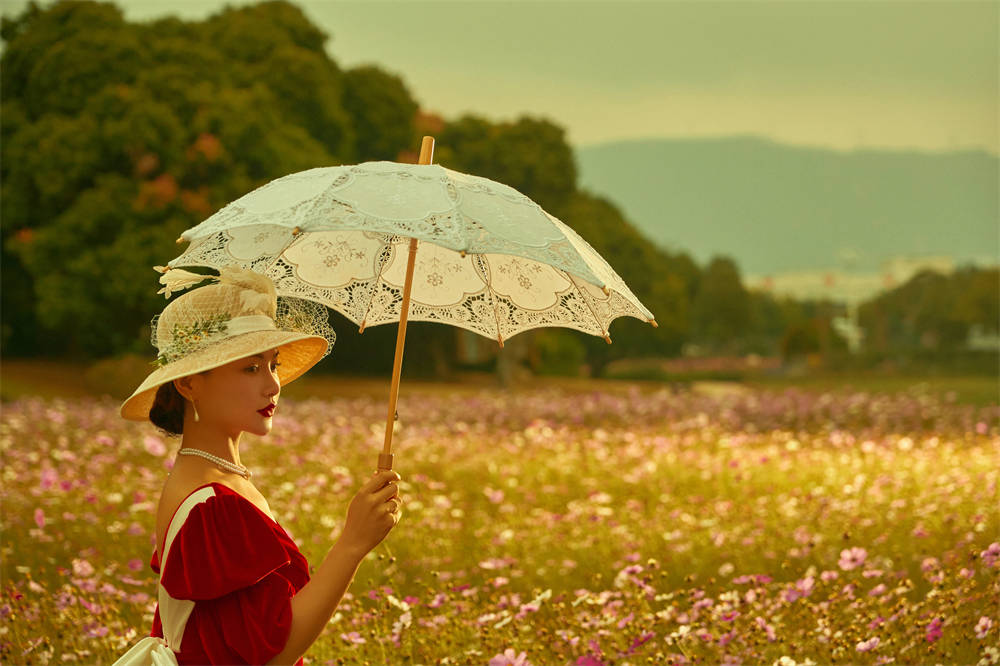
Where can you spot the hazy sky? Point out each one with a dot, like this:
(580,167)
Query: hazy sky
(889,73)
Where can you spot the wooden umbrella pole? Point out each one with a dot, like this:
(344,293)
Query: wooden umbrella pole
(385,458)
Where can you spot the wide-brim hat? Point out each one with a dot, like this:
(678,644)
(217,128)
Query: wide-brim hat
(238,316)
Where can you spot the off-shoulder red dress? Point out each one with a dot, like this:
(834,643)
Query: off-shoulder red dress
(231,571)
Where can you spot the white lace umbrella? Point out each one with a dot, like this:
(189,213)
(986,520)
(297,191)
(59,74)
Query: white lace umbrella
(490,259)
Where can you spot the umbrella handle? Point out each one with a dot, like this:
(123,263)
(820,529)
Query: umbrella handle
(385,458)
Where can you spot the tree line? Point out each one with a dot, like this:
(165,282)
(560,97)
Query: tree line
(117,136)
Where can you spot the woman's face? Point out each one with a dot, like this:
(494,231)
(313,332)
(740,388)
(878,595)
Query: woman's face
(230,395)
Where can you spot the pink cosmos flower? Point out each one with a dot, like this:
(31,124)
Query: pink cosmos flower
(587,660)
(353,637)
(991,555)
(851,558)
(870,644)
(39,517)
(154,445)
(933,630)
(83,568)
(983,627)
(49,478)
(509,659)
(878,590)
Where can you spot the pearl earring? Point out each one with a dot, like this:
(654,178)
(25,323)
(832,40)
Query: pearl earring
(195,407)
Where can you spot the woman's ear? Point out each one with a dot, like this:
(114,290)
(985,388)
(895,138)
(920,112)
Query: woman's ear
(184,386)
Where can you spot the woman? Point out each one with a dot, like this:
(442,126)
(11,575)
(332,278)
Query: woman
(234,588)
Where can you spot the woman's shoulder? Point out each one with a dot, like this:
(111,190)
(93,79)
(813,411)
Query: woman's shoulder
(180,487)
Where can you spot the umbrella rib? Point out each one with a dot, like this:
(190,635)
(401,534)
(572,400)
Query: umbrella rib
(296,234)
(604,331)
(493,304)
(371,294)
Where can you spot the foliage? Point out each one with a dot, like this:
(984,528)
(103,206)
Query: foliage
(118,136)
(932,311)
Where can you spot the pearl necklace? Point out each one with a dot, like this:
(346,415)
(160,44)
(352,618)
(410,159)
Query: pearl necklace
(225,464)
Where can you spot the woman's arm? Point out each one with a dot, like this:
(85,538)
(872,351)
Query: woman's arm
(368,522)
(315,603)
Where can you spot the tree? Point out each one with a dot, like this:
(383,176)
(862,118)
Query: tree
(382,111)
(117,136)
(721,308)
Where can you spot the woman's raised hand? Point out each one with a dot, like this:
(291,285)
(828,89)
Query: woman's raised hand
(373,512)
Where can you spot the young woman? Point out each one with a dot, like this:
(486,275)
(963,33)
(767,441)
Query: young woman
(234,588)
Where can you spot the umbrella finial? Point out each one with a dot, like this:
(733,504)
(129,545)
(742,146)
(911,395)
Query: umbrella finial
(607,339)
(607,292)
(500,340)
(362,329)
(426,150)
(653,322)
(180,239)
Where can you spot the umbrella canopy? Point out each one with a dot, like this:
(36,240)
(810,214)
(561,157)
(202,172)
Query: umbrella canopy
(491,260)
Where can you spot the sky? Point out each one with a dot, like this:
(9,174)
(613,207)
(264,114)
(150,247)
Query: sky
(838,74)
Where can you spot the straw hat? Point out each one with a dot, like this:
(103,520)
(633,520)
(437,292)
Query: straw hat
(238,315)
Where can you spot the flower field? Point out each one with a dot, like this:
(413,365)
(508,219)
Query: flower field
(620,526)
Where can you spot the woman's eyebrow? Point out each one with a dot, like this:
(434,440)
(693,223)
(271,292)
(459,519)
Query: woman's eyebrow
(261,356)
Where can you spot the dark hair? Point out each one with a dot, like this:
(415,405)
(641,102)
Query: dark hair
(167,412)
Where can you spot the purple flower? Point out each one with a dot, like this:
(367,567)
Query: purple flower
(851,558)
(587,660)
(991,554)
(870,644)
(933,630)
(983,627)
(353,637)
(154,445)
(82,568)
(509,659)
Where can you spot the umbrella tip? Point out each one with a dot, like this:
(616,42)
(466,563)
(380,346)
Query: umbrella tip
(500,340)
(362,329)
(607,339)
(607,292)
(653,322)
(180,239)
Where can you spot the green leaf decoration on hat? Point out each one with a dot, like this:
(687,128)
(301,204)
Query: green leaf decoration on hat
(186,339)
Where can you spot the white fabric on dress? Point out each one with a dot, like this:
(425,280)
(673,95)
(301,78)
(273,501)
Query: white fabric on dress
(174,613)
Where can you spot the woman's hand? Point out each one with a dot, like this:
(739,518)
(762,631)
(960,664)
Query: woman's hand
(373,512)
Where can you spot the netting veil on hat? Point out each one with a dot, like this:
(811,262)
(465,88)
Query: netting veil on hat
(238,315)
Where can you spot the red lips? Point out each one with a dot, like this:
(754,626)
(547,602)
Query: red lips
(267,411)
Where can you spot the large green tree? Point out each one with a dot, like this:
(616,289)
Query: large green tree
(117,136)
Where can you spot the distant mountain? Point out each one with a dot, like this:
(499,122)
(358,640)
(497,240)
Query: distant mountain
(775,208)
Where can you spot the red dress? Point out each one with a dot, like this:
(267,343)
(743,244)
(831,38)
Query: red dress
(230,574)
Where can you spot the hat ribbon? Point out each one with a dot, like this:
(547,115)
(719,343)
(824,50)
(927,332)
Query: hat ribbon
(249,324)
